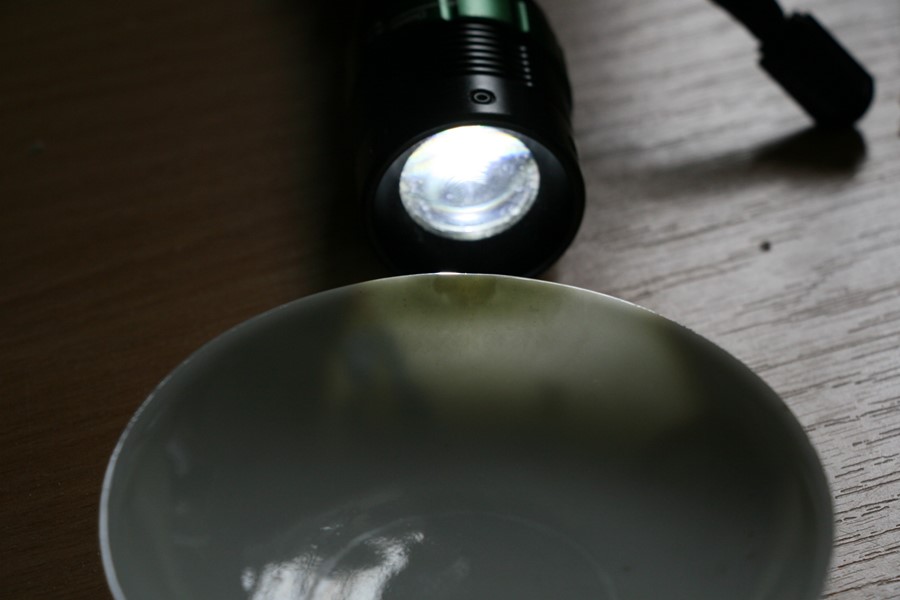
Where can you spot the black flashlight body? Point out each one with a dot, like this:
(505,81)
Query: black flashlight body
(428,66)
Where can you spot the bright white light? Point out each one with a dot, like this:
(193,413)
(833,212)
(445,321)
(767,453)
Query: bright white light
(469,183)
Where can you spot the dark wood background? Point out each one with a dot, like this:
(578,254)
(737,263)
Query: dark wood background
(169,169)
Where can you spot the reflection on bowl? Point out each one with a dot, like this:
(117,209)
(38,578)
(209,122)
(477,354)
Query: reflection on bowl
(464,437)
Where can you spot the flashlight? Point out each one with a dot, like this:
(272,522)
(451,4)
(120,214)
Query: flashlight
(466,156)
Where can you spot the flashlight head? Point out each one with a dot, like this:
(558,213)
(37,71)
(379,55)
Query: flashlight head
(466,153)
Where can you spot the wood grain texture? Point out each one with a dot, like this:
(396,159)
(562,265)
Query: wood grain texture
(169,169)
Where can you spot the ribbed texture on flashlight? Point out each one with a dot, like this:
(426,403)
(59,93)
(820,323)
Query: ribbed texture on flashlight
(472,48)
(466,47)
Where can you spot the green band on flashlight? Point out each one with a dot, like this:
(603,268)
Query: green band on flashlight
(513,12)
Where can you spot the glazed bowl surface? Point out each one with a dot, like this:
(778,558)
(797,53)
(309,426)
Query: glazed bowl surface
(464,437)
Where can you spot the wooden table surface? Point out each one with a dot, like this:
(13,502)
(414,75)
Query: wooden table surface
(168,169)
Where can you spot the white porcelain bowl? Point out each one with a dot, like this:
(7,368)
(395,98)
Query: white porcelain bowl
(464,437)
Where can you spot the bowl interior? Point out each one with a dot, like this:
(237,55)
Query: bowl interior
(461,436)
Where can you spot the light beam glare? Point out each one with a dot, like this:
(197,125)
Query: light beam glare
(470,182)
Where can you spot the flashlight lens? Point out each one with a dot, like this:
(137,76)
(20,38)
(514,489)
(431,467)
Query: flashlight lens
(469,183)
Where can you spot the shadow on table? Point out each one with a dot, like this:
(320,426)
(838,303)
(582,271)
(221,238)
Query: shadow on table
(815,152)
(811,157)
